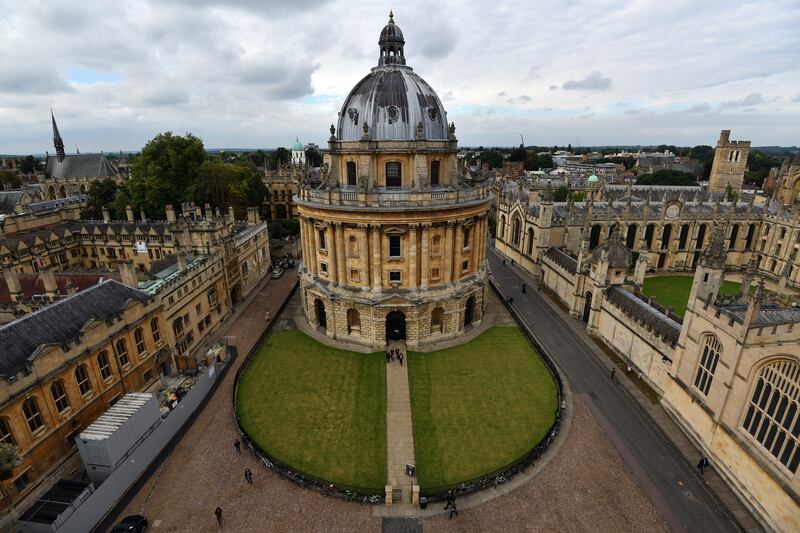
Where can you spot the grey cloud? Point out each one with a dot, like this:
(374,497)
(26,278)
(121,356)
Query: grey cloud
(271,7)
(796,98)
(593,82)
(749,100)
(501,94)
(521,99)
(702,107)
(553,87)
(533,73)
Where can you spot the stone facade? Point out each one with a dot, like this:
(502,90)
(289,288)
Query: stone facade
(730,164)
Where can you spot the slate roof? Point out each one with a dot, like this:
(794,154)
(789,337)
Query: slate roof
(59,202)
(33,284)
(79,166)
(61,322)
(768,315)
(562,259)
(644,313)
(9,201)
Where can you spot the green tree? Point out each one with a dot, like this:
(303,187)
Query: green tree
(9,458)
(667,177)
(313,157)
(532,161)
(492,157)
(518,154)
(578,196)
(545,161)
(102,193)
(560,194)
(282,155)
(10,179)
(28,165)
(224,185)
(164,172)
(730,194)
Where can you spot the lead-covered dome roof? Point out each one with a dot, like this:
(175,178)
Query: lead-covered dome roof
(392,99)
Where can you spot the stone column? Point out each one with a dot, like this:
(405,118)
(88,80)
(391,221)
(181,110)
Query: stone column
(376,258)
(479,240)
(412,256)
(363,255)
(448,253)
(315,246)
(331,244)
(426,269)
(458,249)
(341,271)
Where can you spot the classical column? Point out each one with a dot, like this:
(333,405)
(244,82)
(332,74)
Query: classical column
(315,251)
(478,242)
(341,271)
(458,248)
(426,269)
(376,257)
(412,256)
(363,255)
(330,245)
(448,253)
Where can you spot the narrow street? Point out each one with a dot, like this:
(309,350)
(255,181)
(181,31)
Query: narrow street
(666,478)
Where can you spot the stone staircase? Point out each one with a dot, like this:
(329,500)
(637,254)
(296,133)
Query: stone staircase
(399,431)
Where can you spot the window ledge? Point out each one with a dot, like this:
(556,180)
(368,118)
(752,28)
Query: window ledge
(395,258)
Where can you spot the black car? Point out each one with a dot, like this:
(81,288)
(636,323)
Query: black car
(131,524)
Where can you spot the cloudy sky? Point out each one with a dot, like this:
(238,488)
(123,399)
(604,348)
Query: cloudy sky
(257,73)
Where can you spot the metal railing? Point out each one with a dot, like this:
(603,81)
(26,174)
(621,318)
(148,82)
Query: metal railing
(388,197)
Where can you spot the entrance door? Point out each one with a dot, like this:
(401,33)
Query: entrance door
(469,312)
(395,326)
(319,311)
(587,307)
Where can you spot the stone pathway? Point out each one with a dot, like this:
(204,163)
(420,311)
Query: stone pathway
(399,431)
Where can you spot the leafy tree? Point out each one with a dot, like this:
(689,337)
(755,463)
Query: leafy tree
(258,158)
(28,165)
(532,161)
(101,194)
(545,161)
(10,179)
(560,194)
(9,458)
(578,196)
(223,185)
(292,226)
(492,157)
(730,194)
(667,177)
(313,157)
(164,172)
(282,155)
(518,154)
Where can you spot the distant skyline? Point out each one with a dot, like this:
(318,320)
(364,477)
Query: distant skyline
(255,74)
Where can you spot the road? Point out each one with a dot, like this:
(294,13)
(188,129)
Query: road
(673,487)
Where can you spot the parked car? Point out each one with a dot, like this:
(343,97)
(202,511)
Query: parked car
(131,524)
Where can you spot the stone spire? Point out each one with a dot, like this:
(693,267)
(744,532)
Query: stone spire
(714,256)
(57,142)
(749,275)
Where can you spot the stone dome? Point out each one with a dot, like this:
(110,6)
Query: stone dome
(392,100)
(593,179)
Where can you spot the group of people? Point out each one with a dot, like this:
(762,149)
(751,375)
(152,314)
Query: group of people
(248,477)
(393,354)
(451,504)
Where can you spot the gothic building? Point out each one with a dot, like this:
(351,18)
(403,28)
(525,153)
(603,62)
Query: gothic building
(393,230)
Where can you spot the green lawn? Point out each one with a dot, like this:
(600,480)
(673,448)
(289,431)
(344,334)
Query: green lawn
(673,291)
(478,407)
(319,409)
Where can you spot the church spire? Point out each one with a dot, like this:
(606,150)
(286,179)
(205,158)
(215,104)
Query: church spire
(57,142)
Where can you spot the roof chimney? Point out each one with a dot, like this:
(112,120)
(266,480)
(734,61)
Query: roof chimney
(231,216)
(106,215)
(182,261)
(251,216)
(129,213)
(128,274)
(12,281)
(170,213)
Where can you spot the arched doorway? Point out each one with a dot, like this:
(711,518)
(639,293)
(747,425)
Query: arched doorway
(236,292)
(319,313)
(469,312)
(396,326)
(587,307)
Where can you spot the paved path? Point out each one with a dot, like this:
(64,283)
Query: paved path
(677,492)
(399,432)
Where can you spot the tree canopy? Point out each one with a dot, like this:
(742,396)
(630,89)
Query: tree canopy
(10,179)
(101,194)
(667,177)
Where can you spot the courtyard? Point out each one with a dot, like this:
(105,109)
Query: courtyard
(673,291)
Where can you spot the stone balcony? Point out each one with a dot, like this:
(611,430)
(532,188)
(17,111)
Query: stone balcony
(403,198)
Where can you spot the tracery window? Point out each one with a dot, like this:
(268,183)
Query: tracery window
(515,231)
(773,415)
(708,364)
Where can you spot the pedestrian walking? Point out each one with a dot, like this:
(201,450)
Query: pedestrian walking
(511,300)
(388,357)
(218,514)
(267,316)
(453,511)
(504,262)
(702,465)
(400,357)
(629,368)
(613,373)
(238,445)
(523,288)
(248,475)
(512,262)
(451,500)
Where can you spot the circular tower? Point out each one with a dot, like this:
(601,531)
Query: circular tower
(393,231)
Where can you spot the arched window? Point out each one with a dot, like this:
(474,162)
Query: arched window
(436,245)
(683,237)
(773,416)
(502,232)
(516,231)
(394,174)
(594,236)
(666,233)
(437,320)
(6,436)
(466,233)
(630,237)
(155,330)
(748,242)
(122,353)
(734,236)
(351,174)
(30,409)
(138,336)
(529,249)
(434,173)
(707,365)
(82,379)
(59,394)
(352,246)
(649,230)
(104,365)
(353,322)
(701,236)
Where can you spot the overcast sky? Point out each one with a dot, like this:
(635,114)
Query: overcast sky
(258,73)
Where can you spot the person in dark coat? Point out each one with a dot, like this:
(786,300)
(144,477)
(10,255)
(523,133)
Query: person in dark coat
(451,499)
(523,288)
(702,465)
(400,357)
(238,445)
(453,511)
(218,514)
(248,475)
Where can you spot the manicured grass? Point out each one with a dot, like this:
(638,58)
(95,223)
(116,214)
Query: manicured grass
(318,409)
(673,291)
(478,406)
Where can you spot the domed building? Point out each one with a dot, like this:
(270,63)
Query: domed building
(393,231)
